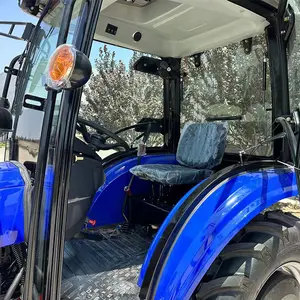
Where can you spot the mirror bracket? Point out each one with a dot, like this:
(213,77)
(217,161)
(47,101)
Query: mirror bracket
(4,102)
(11,71)
(288,23)
(34,102)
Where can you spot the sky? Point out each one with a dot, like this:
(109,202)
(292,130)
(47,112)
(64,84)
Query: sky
(121,53)
(9,48)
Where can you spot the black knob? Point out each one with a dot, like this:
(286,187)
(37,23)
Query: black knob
(137,36)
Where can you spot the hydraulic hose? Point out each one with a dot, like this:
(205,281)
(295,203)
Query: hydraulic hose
(292,145)
(18,255)
(290,137)
(14,285)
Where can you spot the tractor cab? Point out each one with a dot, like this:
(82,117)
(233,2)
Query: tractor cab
(148,139)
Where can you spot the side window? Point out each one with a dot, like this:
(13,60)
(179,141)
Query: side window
(230,83)
(118,96)
(294,59)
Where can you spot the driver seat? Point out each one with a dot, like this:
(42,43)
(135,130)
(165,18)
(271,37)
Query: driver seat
(201,147)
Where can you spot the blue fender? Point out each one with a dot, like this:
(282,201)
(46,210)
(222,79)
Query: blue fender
(108,202)
(15,202)
(215,219)
(12,189)
(160,232)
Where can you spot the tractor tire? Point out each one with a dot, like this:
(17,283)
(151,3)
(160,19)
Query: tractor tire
(262,262)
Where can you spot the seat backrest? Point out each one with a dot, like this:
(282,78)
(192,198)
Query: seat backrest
(202,145)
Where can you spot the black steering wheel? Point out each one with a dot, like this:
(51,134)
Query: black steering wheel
(98,140)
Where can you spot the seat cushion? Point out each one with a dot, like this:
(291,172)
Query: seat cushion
(170,174)
(202,145)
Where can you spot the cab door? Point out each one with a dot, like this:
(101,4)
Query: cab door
(74,24)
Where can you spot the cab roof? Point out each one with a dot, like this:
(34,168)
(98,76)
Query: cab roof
(179,28)
(176,28)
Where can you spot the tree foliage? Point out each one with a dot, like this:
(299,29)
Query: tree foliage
(230,83)
(118,97)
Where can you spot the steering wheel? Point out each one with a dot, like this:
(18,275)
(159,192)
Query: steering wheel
(97,140)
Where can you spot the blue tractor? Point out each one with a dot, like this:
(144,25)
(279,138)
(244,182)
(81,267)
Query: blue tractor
(172,205)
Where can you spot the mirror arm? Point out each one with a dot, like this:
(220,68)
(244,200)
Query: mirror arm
(147,134)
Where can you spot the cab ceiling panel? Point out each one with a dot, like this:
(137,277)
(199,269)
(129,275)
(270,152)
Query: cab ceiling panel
(176,28)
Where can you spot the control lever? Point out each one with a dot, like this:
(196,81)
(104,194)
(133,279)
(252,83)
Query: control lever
(147,133)
(141,149)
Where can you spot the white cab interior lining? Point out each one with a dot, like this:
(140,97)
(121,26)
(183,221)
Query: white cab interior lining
(177,28)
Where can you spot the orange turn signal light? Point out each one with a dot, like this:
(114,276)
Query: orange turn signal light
(61,63)
(68,68)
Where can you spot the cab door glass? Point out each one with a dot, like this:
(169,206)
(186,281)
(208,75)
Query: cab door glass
(37,87)
(29,121)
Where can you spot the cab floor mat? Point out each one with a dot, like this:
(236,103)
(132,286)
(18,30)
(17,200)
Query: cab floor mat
(104,268)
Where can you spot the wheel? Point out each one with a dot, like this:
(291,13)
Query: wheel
(262,262)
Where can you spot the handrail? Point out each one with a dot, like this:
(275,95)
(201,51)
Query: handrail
(26,34)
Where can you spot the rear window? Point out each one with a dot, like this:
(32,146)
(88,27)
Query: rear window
(294,59)
(230,83)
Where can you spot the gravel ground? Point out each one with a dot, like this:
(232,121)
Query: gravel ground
(290,205)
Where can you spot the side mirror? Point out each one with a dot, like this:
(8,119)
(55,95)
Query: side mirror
(5,120)
(68,68)
(30,6)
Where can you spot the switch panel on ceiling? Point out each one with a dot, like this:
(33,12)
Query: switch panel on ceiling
(111,29)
